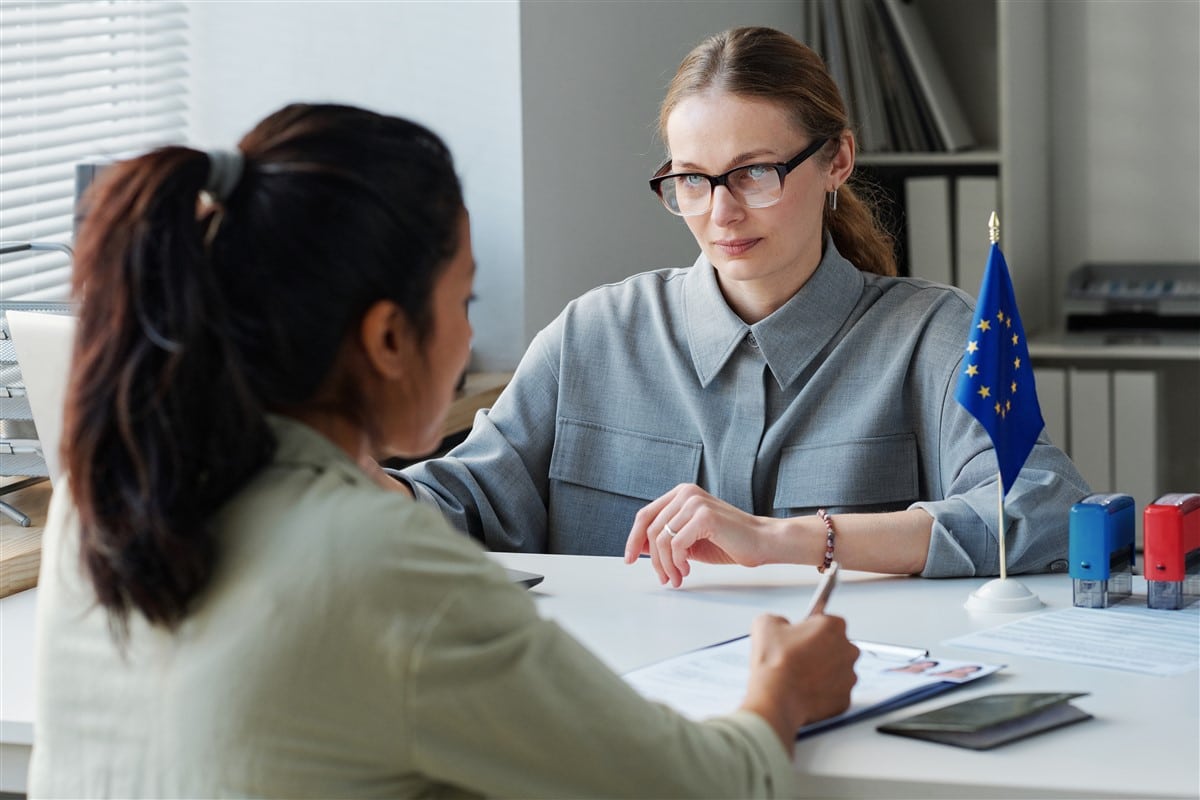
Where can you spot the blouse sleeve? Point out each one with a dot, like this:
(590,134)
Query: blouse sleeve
(507,704)
(494,486)
(965,540)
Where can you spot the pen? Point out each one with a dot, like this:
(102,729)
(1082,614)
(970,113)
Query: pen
(824,589)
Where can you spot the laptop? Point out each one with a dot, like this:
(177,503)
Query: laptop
(43,343)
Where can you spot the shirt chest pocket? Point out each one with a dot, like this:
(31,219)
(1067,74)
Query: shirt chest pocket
(875,474)
(621,462)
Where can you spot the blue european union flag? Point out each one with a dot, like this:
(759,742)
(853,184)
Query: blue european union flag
(996,384)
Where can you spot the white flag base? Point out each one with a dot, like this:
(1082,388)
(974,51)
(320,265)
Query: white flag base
(1003,596)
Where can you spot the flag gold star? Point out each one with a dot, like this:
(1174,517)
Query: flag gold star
(985,391)
(972,370)
(984,325)
(1016,363)
(1015,340)
(972,347)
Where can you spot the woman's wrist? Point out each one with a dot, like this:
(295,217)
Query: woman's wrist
(799,540)
(774,716)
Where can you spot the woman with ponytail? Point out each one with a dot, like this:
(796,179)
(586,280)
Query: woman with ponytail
(229,603)
(785,399)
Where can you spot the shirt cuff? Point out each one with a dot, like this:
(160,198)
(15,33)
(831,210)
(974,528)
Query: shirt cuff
(775,762)
(952,556)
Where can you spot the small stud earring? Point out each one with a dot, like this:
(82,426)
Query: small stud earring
(832,197)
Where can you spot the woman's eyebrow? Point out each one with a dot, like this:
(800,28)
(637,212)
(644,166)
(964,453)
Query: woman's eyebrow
(735,161)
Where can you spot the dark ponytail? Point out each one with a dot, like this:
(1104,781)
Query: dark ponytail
(198,317)
(160,425)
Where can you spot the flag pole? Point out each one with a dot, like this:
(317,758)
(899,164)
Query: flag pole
(1001,594)
(994,238)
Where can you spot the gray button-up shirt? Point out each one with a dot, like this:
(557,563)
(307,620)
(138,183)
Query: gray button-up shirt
(843,399)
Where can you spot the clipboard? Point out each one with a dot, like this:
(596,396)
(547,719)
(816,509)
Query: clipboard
(712,681)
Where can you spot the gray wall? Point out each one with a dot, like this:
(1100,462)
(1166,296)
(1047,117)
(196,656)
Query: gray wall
(454,66)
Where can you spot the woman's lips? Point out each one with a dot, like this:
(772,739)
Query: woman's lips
(735,247)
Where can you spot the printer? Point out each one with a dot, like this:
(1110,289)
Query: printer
(1133,296)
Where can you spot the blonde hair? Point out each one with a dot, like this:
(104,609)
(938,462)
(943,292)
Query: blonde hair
(766,64)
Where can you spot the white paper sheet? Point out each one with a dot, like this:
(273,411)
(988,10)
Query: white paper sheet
(712,681)
(1128,637)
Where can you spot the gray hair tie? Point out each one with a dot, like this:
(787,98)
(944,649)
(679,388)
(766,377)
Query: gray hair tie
(224,172)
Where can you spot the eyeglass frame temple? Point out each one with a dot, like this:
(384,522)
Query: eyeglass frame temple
(782,168)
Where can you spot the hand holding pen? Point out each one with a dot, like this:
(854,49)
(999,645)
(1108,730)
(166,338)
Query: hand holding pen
(801,672)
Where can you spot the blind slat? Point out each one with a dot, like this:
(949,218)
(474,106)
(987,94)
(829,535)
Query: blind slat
(78,81)
(105,139)
(79,34)
(20,265)
(20,15)
(29,133)
(16,180)
(37,193)
(45,230)
(30,213)
(80,90)
(51,284)
(23,72)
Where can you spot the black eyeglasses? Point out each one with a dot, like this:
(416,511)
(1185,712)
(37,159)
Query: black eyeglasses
(687,194)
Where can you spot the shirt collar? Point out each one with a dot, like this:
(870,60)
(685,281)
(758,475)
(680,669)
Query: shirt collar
(298,445)
(788,339)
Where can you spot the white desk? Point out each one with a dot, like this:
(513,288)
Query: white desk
(1145,740)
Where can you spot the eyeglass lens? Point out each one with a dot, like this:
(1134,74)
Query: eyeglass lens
(754,186)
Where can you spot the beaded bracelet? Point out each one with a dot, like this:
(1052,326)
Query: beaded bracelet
(828,540)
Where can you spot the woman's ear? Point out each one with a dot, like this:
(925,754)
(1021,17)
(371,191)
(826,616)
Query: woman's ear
(842,163)
(386,338)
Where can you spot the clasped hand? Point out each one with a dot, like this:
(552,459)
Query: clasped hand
(687,523)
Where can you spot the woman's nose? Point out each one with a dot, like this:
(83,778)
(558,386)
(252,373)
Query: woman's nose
(725,207)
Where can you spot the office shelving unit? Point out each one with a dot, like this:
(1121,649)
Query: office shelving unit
(995,55)
(1124,412)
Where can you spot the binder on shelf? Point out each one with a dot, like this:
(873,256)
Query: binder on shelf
(947,113)
(867,101)
(976,197)
(835,49)
(929,225)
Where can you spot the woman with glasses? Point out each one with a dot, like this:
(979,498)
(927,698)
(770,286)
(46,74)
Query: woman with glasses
(784,399)
(230,606)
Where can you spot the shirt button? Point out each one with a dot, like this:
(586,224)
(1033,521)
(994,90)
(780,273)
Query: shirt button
(750,340)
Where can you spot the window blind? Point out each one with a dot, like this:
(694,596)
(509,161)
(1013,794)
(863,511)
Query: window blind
(79,82)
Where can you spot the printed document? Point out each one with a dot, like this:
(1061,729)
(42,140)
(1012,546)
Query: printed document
(712,681)
(1128,637)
